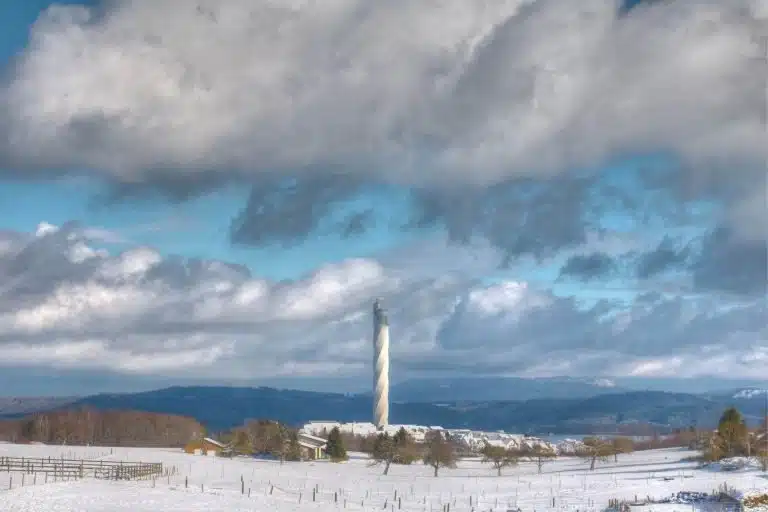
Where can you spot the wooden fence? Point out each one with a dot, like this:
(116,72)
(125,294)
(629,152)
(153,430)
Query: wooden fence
(70,468)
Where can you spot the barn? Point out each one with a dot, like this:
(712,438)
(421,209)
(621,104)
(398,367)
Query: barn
(312,447)
(204,446)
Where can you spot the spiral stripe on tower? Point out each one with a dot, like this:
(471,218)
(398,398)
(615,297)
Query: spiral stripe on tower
(381,367)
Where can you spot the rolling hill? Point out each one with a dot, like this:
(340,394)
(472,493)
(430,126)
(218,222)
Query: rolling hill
(220,407)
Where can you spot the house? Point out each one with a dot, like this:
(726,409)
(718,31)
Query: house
(312,447)
(205,446)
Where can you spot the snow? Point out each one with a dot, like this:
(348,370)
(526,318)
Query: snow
(749,393)
(214,442)
(472,439)
(214,484)
(734,464)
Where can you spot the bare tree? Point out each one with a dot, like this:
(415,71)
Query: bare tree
(540,455)
(762,456)
(257,433)
(594,449)
(439,452)
(397,449)
(43,427)
(499,457)
(240,441)
(89,426)
(621,445)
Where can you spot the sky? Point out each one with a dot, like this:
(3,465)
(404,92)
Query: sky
(216,191)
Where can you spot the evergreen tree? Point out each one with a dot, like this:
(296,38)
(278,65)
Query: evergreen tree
(406,451)
(293,450)
(335,446)
(732,432)
(384,451)
(401,437)
(278,437)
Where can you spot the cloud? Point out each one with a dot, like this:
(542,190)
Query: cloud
(716,262)
(518,216)
(339,84)
(730,263)
(449,98)
(590,266)
(667,256)
(507,124)
(138,313)
(289,212)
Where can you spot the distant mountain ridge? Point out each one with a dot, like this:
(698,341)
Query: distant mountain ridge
(24,405)
(222,407)
(500,388)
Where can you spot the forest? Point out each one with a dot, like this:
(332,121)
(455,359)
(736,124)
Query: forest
(87,426)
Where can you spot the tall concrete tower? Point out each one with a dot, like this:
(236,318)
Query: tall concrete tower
(380,366)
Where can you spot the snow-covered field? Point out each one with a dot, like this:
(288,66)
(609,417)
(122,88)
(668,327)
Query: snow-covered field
(214,484)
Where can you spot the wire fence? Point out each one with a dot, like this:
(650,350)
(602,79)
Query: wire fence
(42,469)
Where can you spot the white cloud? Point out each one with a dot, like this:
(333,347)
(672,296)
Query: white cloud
(137,313)
(98,355)
(426,92)
(504,298)
(130,264)
(656,367)
(330,289)
(437,96)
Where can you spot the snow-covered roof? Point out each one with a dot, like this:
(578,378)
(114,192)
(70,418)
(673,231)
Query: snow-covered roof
(214,442)
(310,437)
(308,443)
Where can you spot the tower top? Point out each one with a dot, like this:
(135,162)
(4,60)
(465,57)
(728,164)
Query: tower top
(379,313)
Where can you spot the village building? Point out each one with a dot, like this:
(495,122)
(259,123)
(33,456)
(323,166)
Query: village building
(312,447)
(205,446)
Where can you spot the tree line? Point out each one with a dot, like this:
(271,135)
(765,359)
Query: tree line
(86,426)
(439,450)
